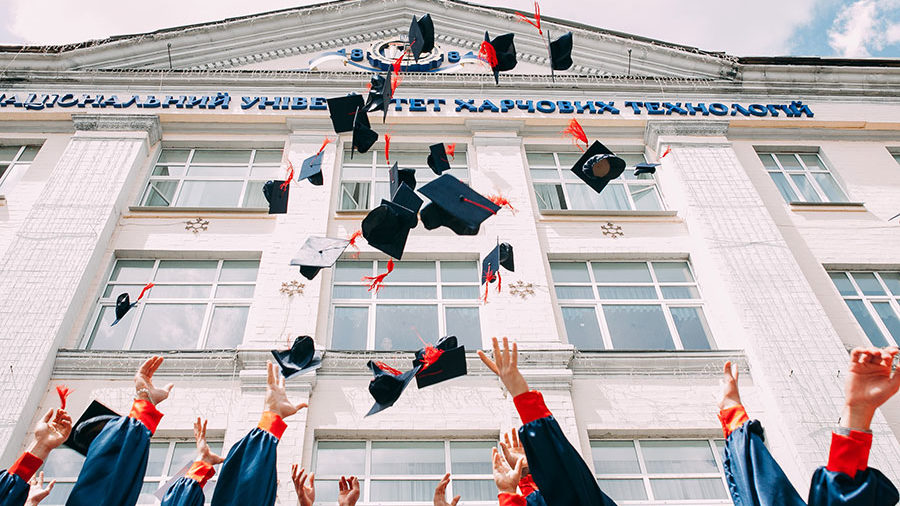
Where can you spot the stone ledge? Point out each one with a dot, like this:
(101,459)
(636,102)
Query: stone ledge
(119,123)
(194,210)
(827,206)
(640,215)
(656,363)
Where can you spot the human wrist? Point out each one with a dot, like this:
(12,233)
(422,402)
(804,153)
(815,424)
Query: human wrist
(143,394)
(516,384)
(857,418)
(506,489)
(40,449)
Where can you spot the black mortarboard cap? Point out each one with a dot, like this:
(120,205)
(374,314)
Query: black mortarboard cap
(363,136)
(421,36)
(301,358)
(400,176)
(406,198)
(434,217)
(506,53)
(88,426)
(386,228)
(438,160)
(450,364)
(598,154)
(459,202)
(312,169)
(123,306)
(502,255)
(278,198)
(342,111)
(380,94)
(645,168)
(561,52)
(318,253)
(386,388)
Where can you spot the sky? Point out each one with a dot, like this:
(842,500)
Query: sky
(831,28)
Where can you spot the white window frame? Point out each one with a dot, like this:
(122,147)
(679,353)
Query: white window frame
(274,171)
(867,301)
(807,173)
(565,177)
(597,303)
(380,171)
(896,154)
(716,445)
(134,315)
(16,165)
(372,301)
(366,480)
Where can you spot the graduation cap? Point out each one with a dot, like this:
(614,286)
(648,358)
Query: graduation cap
(502,255)
(387,227)
(343,112)
(88,426)
(598,166)
(441,362)
(312,169)
(421,36)
(439,159)
(645,168)
(456,206)
(276,193)
(402,176)
(124,304)
(318,253)
(561,52)
(363,136)
(501,53)
(387,385)
(300,359)
(380,94)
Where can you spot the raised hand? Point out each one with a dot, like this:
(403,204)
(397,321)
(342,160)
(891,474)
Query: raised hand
(730,395)
(276,398)
(348,491)
(506,365)
(440,493)
(52,431)
(505,478)
(143,382)
(204,453)
(305,492)
(37,492)
(871,381)
(513,450)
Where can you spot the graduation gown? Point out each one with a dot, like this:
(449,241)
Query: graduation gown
(188,490)
(529,489)
(558,470)
(848,480)
(116,462)
(248,474)
(754,478)
(14,481)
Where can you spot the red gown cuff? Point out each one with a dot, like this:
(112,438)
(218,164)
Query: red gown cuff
(732,418)
(146,413)
(26,466)
(849,454)
(531,406)
(272,423)
(201,472)
(527,485)
(507,499)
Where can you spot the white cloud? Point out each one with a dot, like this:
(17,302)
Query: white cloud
(864,26)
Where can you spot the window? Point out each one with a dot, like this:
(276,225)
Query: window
(14,161)
(195,304)
(631,305)
(661,471)
(401,472)
(557,187)
(802,177)
(212,177)
(369,170)
(874,299)
(420,301)
(897,157)
(167,459)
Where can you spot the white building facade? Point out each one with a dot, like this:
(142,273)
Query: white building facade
(765,238)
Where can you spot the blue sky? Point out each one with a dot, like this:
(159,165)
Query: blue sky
(842,28)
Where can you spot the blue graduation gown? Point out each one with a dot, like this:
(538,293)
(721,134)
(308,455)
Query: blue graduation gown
(867,488)
(754,478)
(535,499)
(248,474)
(560,473)
(13,490)
(184,492)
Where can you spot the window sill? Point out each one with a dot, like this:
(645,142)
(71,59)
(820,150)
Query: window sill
(827,206)
(611,214)
(195,210)
(655,363)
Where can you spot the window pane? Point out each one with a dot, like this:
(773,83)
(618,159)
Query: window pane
(204,171)
(239,270)
(867,283)
(178,292)
(813,162)
(382,192)
(550,196)
(351,292)
(105,337)
(866,322)
(582,328)
(672,272)
(624,490)
(407,292)
(460,292)
(407,457)
(253,195)
(692,327)
(183,454)
(582,197)
(545,174)
(680,292)
(132,271)
(569,272)
(354,196)
(210,193)
(638,327)
(63,463)
(688,489)
(227,328)
(626,292)
(678,457)
(160,193)
(269,156)
(830,187)
(615,457)
(113,290)
(470,457)
(402,490)
(187,270)
(789,162)
(352,271)
(29,153)
(889,317)
(350,328)
(169,327)
(235,291)
(567,160)
(398,327)
(221,156)
(574,292)
(8,153)
(327,491)
(784,187)
(174,155)
(806,189)
(646,198)
(465,324)
(147,490)
(540,159)
(892,280)
(341,458)
(475,490)
(625,272)
(844,286)
(157,458)
(459,272)
(409,271)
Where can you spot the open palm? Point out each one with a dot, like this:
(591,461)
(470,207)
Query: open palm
(871,380)
(143,381)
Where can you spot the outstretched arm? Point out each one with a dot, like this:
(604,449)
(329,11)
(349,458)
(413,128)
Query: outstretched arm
(188,490)
(440,493)
(507,478)
(731,412)
(50,432)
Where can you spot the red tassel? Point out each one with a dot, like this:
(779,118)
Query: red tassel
(146,287)
(356,235)
(325,143)
(488,54)
(290,176)
(376,282)
(387,148)
(451,150)
(388,369)
(501,201)
(432,354)
(395,82)
(486,208)
(668,150)
(537,17)
(574,129)
(63,392)
(489,278)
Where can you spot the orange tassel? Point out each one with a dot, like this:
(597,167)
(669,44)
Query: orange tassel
(290,176)
(501,201)
(144,290)
(668,150)
(387,148)
(574,129)
(488,54)
(432,354)
(376,282)
(327,140)
(63,392)
(537,16)
(451,150)
(388,369)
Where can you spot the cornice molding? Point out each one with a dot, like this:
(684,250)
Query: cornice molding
(683,128)
(119,123)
